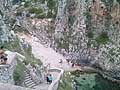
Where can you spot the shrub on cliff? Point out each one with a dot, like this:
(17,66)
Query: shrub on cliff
(36,11)
(19,74)
(102,38)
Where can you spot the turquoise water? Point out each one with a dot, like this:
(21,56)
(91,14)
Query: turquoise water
(93,81)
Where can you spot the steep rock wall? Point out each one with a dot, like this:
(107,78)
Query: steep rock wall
(85,31)
(5,6)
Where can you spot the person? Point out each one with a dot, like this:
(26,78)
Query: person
(50,79)
(73,64)
(68,61)
(61,61)
(47,79)
(1,50)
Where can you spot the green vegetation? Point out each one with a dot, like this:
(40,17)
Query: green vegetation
(51,4)
(65,82)
(19,74)
(50,14)
(86,81)
(42,1)
(27,4)
(95,82)
(88,20)
(118,1)
(13,45)
(102,38)
(20,29)
(108,4)
(36,11)
(41,16)
(30,58)
(90,34)
(27,52)
(39,13)
(64,45)
(71,20)
(19,13)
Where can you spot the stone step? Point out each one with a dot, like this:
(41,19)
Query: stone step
(30,84)
(26,77)
(28,81)
(26,73)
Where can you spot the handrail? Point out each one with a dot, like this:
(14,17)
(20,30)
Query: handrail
(55,83)
(37,81)
(21,57)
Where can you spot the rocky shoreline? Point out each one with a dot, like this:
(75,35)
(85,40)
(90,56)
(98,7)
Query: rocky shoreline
(93,70)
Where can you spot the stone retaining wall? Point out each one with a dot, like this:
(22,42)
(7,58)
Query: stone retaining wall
(53,86)
(11,87)
(6,70)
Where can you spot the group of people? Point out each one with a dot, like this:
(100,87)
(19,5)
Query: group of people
(49,78)
(3,56)
(73,62)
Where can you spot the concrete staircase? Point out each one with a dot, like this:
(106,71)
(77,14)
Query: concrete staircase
(29,82)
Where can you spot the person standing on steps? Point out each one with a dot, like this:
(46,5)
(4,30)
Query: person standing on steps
(50,79)
(47,79)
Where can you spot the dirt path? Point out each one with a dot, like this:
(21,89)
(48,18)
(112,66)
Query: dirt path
(46,55)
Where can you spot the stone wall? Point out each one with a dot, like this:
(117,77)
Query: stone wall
(11,87)
(6,71)
(5,7)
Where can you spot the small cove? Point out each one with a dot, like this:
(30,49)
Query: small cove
(86,81)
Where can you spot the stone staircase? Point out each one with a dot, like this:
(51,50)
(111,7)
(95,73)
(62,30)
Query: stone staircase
(29,82)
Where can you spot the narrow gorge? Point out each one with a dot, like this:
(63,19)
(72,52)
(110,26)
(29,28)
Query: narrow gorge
(84,33)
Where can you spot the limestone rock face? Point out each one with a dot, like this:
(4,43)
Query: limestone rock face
(85,31)
(5,6)
(6,71)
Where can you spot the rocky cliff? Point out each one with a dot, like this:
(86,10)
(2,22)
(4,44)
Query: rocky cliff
(85,31)
(5,25)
